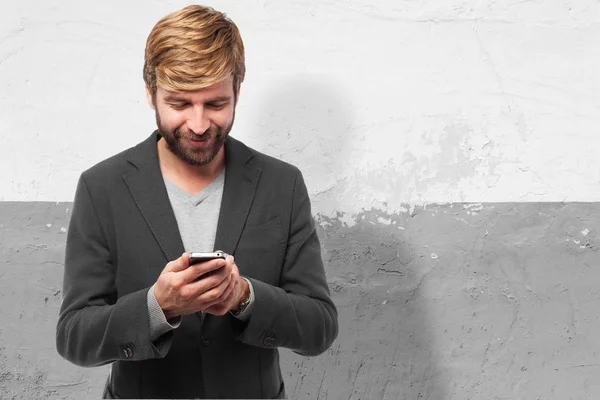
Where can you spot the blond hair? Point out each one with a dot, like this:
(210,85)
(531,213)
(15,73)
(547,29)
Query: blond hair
(193,48)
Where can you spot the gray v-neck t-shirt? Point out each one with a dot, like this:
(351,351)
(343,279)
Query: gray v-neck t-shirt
(197,214)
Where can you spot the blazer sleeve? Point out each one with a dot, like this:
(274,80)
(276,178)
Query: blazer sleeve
(299,314)
(95,326)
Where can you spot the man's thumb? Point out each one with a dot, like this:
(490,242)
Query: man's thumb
(180,264)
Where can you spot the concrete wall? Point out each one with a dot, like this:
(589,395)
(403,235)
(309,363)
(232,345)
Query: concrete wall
(450,152)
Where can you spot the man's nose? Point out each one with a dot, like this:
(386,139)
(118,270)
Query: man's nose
(198,122)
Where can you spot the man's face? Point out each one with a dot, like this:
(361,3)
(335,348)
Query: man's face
(195,124)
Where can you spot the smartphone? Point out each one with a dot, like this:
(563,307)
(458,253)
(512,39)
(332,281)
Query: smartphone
(196,258)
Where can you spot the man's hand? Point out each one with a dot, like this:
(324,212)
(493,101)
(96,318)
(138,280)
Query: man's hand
(241,291)
(179,291)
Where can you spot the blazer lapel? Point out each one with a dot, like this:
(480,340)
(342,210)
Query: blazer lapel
(148,189)
(241,180)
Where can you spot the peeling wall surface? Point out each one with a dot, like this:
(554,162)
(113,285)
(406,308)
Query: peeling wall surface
(449,147)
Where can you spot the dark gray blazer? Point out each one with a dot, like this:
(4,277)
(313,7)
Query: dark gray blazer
(123,232)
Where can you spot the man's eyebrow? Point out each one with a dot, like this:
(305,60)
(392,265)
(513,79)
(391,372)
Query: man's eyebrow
(175,98)
(218,99)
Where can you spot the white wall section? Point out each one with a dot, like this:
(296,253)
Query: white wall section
(381,104)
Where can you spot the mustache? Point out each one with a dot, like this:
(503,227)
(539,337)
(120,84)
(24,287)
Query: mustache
(188,134)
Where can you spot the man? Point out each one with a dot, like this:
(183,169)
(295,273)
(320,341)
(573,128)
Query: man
(131,298)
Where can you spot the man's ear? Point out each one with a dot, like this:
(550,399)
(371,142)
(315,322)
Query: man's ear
(149,98)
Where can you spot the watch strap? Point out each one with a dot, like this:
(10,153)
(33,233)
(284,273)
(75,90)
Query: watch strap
(245,302)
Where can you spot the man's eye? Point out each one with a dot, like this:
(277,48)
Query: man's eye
(179,106)
(216,106)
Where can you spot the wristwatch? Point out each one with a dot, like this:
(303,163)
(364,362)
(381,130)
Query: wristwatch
(244,304)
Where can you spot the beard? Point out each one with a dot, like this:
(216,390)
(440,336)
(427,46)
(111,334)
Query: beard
(176,138)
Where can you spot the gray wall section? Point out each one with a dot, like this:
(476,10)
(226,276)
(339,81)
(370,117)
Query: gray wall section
(447,302)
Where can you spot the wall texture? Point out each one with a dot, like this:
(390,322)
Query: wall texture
(450,152)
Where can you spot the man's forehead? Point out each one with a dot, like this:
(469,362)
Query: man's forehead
(213,92)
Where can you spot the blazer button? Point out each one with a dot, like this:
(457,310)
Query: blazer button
(204,340)
(269,341)
(127,351)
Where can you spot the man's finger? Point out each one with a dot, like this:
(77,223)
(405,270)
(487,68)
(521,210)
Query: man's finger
(229,290)
(221,307)
(207,297)
(197,270)
(221,301)
(199,285)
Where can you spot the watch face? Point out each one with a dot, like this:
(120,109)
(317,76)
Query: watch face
(245,303)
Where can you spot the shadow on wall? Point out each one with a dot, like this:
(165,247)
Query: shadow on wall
(308,122)
(384,349)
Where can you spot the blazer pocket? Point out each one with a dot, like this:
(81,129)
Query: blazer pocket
(259,251)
